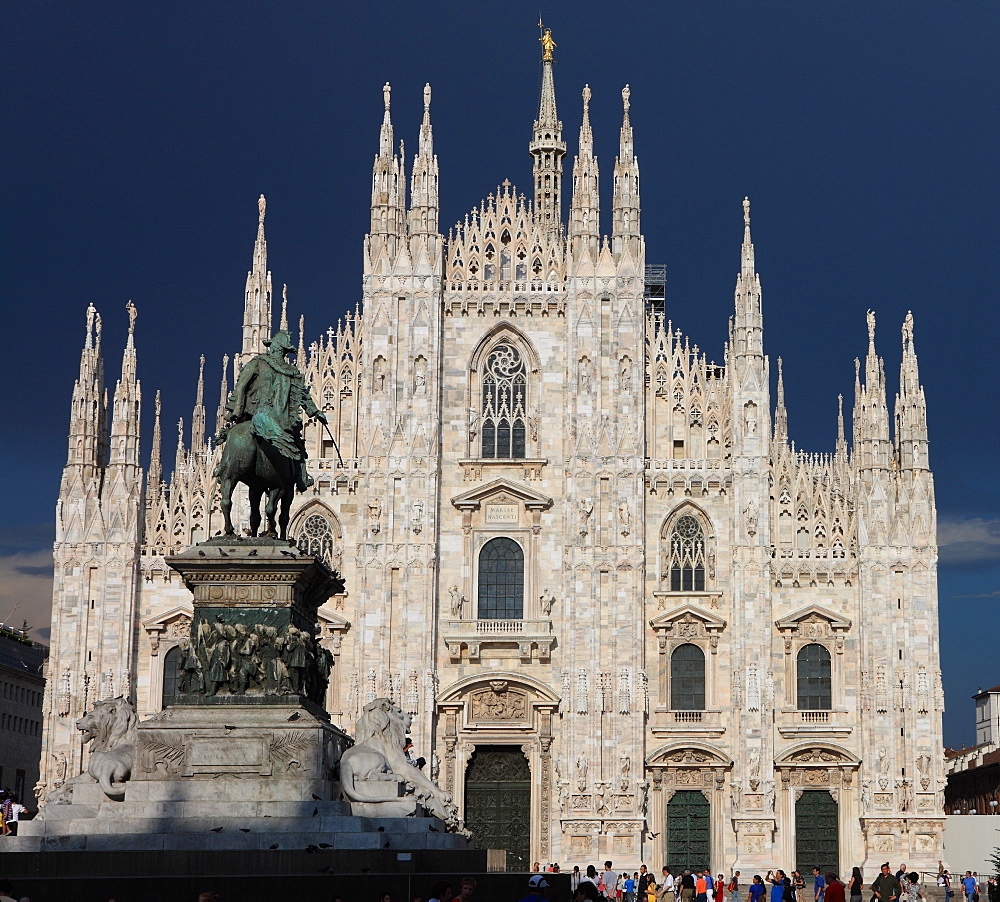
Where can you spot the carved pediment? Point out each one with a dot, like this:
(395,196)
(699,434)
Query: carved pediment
(817,756)
(813,621)
(502,491)
(687,756)
(686,621)
(172,624)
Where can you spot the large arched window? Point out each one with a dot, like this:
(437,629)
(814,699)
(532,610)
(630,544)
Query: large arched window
(687,556)
(504,400)
(501,580)
(171,672)
(316,538)
(687,678)
(814,683)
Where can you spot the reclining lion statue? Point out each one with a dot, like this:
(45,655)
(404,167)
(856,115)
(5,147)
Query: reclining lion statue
(379,781)
(111,728)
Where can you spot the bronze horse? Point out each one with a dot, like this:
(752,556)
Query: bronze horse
(263,469)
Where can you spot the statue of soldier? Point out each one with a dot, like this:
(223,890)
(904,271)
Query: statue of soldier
(269,393)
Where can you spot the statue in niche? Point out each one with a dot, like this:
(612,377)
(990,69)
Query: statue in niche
(533,425)
(866,797)
(624,518)
(586,376)
(769,795)
(586,508)
(625,766)
(379,375)
(547,600)
(581,772)
(417,517)
(750,515)
(420,377)
(625,376)
(457,600)
(750,418)
(375,516)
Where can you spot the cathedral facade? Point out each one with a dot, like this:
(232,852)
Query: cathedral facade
(628,618)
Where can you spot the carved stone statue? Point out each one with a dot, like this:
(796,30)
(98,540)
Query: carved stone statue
(377,779)
(547,600)
(111,728)
(581,772)
(264,448)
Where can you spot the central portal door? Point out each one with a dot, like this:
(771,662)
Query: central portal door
(498,802)
(689,831)
(816,831)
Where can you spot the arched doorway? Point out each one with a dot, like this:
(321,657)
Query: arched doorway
(816,832)
(689,830)
(498,801)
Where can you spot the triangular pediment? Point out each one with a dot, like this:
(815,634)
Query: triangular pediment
(811,614)
(515,492)
(688,613)
(160,622)
(331,620)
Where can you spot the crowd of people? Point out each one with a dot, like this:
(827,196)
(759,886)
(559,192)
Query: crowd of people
(903,885)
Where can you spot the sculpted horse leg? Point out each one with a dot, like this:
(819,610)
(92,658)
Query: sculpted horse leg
(271,508)
(286,506)
(256,492)
(226,486)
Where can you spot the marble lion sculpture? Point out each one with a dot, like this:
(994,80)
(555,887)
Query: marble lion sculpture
(111,727)
(379,781)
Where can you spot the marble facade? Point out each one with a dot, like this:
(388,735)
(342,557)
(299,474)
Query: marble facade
(512,379)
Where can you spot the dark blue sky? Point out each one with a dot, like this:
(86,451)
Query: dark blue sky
(138,137)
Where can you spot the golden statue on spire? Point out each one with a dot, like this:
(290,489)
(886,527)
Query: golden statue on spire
(548,45)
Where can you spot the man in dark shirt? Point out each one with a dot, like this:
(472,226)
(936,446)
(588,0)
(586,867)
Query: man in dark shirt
(886,886)
(643,883)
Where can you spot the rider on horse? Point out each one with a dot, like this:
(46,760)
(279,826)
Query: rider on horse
(269,393)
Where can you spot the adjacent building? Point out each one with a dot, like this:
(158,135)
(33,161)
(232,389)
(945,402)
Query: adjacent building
(22,686)
(630,619)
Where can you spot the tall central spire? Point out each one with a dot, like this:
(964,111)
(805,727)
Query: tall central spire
(547,145)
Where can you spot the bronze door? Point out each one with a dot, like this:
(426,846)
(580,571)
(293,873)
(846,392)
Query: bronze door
(498,802)
(689,831)
(816,832)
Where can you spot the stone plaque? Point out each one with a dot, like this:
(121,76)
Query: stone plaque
(227,755)
(501,514)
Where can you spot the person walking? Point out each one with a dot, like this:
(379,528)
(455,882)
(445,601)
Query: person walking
(819,885)
(757,889)
(834,888)
(734,887)
(856,885)
(969,886)
(667,891)
(688,886)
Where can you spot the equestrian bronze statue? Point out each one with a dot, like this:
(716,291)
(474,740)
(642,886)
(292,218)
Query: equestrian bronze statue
(263,445)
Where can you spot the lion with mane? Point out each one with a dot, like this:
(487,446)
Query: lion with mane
(376,777)
(111,728)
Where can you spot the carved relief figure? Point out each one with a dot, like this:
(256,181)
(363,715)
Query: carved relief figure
(586,376)
(581,772)
(624,518)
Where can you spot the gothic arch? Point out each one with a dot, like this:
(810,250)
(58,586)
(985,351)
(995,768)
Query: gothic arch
(664,755)
(315,506)
(687,558)
(504,330)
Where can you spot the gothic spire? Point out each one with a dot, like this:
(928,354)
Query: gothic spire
(625,210)
(124,451)
(257,298)
(155,459)
(911,407)
(388,207)
(780,414)
(424,179)
(585,208)
(89,406)
(198,414)
(547,146)
(748,322)
(220,413)
(871,414)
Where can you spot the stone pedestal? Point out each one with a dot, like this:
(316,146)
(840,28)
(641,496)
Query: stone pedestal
(248,760)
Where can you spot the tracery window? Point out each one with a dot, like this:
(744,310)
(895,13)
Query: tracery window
(687,556)
(171,669)
(501,580)
(813,678)
(504,400)
(687,678)
(316,537)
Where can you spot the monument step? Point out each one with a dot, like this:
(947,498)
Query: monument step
(225,840)
(142,822)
